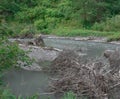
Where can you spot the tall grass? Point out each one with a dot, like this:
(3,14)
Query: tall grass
(6,94)
(114,37)
(111,24)
(65,31)
(69,95)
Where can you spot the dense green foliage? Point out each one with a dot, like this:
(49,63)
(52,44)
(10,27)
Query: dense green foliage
(47,15)
(111,24)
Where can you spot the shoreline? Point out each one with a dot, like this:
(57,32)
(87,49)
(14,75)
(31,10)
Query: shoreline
(78,38)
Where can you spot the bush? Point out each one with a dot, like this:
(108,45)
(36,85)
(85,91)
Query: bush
(6,94)
(28,32)
(69,95)
(10,54)
(40,24)
(31,14)
(111,24)
(52,22)
(114,37)
(46,25)
(15,29)
(53,12)
(5,30)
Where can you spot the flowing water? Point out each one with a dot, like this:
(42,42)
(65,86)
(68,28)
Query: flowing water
(93,49)
(26,83)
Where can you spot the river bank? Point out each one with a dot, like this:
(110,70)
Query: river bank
(91,50)
(79,38)
(54,45)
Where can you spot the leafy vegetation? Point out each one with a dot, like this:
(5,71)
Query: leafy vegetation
(6,94)
(111,24)
(114,37)
(81,32)
(69,95)
(51,16)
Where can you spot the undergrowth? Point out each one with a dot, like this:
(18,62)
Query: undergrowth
(65,31)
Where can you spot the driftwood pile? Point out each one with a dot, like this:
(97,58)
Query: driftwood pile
(38,41)
(92,79)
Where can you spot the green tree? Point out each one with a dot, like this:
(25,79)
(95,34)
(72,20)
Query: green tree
(90,11)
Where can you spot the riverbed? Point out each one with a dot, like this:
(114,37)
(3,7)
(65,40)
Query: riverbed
(26,83)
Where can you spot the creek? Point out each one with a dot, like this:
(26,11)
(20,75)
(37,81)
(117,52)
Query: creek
(26,83)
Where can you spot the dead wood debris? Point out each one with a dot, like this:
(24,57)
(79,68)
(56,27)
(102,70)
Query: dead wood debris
(89,78)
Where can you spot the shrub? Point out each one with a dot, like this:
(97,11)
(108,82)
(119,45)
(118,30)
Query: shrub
(114,37)
(14,29)
(51,22)
(69,95)
(52,12)
(28,31)
(6,94)
(31,14)
(5,30)
(111,24)
(10,54)
(40,24)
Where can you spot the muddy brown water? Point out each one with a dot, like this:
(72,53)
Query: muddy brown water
(27,83)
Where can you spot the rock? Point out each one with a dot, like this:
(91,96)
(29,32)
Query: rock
(33,67)
(30,43)
(35,42)
(91,38)
(107,53)
(38,54)
(39,41)
(18,41)
(113,57)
